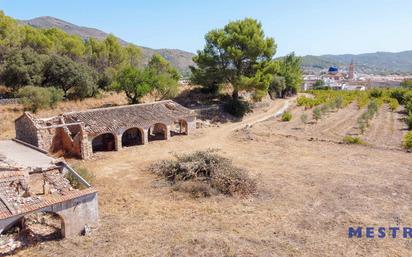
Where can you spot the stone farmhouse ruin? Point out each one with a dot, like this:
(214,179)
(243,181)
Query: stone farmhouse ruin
(25,191)
(82,133)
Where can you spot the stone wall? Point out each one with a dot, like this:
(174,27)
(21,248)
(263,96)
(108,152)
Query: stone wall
(191,126)
(45,138)
(5,101)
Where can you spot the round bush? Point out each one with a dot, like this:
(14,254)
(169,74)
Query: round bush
(237,108)
(286,116)
(407,140)
(36,98)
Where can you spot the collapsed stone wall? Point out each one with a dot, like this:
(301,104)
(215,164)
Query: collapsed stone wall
(51,135)
(45,138)
(26,130)
(63,141)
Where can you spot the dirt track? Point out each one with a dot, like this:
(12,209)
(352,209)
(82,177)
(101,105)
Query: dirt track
(309,193)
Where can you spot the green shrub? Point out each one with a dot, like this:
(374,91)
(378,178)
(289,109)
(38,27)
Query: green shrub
(398,94)
(317,114)
(362,125)
(36,98)
(339,102)
(373,107)
(308,102)
(84,173)
(56,95)
(408,121)
(286,116)
(393,104)
(407,101)
(375,93)
(205,170)
(363,120)
(304,118)
(237,108)
(324,108)
(407,140)
(353,140)
(362,101)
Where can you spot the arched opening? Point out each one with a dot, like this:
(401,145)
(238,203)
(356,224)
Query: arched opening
(158,132)
(132,136)
(104,142)
(32,229)
(179,128)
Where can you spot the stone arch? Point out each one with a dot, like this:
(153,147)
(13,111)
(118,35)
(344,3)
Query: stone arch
(104,142)
(180,127)
(132,136)
(44,225)
(158,131)
(52,220)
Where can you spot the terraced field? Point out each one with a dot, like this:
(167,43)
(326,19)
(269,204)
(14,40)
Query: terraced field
(386,129)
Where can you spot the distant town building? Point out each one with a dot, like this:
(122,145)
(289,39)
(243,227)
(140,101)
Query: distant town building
(333,70)
(336,79)
(334,74)
(349,79)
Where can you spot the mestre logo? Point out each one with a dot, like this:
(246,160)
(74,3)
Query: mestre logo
(380,232)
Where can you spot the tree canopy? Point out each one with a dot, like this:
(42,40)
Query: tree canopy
(165,77)
(159,78)
(236,54)
(23,67)
(240,55)
(51,57)
(290,69)
(62,72)
(134,82)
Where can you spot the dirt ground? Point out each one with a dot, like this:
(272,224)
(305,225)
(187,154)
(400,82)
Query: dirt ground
(310,192)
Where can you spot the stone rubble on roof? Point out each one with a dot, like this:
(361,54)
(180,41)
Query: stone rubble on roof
(16,194)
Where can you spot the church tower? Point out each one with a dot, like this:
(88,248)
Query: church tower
(351,74)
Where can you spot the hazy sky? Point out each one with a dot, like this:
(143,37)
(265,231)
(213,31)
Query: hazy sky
(305,26)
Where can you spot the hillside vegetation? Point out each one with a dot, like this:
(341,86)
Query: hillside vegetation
(376,63)
(43,66)
(178,58)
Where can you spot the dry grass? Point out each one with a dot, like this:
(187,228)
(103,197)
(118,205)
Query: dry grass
(309,193)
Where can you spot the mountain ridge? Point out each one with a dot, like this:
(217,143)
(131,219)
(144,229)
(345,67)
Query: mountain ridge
(380,62)
(179,58)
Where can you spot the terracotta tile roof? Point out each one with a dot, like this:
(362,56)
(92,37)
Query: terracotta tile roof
(139,115)
(50,200)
